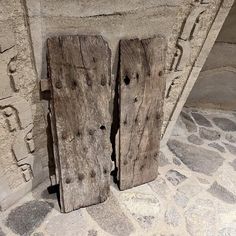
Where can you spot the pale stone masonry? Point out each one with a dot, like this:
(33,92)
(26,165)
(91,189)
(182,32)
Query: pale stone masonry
(183,200)
(23,141)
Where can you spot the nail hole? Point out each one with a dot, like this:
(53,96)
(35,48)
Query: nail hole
(63,135)
(89,81)
(58,84)
(127,80)
(91,132)
(125,162)
(68,180)
(137,76)
(105,171)
(74,84)
(103,80)
(158,116)
(135,99)
(80,176)
(160,73)
(92,174)
(78,134)
(142,167)
(102,127)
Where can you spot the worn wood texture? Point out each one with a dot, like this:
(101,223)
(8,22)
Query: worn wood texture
(79,71)
(142,88)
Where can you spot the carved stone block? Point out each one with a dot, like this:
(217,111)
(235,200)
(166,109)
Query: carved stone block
(27,172)
(19,146)
(22,107)
(7,37)
(7,52)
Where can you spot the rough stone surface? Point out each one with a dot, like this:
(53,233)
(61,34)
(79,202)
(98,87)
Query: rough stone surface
(230,138)
(92,232)
(181,200)
(144,207)
(201,218)
(38,234)
(172,217)
(1,232)
(20,108)
(72,223)
(188,121)
(203,181)
(231,148)
(185,192)
(196,158)
(217,146)
(233,164)
(225,123)
(160,187)
(175,177)
(110,217)
(195,139)
(162,161)
(228,231)
(201,120)
(209,134)
(189,189)
(176,161)
(222,193)
(158,208)
(24,219)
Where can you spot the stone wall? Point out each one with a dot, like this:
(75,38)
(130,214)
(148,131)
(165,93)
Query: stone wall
(203,25)
(186,24)
(216,85)
(23,155)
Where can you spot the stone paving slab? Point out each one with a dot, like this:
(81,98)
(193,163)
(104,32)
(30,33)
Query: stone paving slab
(194,194)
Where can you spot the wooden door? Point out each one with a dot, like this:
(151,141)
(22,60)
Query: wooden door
(142,88)
(79,71)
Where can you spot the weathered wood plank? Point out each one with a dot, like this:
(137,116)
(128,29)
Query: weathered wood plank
(79,70)
(141,100)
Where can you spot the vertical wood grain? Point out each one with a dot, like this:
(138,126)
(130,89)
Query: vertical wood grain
(142,88)
(79,71)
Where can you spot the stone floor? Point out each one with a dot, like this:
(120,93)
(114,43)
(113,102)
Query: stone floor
(195,193)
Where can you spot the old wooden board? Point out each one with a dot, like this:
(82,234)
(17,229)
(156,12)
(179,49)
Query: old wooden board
(79,71)
(142,88)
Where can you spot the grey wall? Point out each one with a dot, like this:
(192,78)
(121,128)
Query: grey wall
(216,85)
